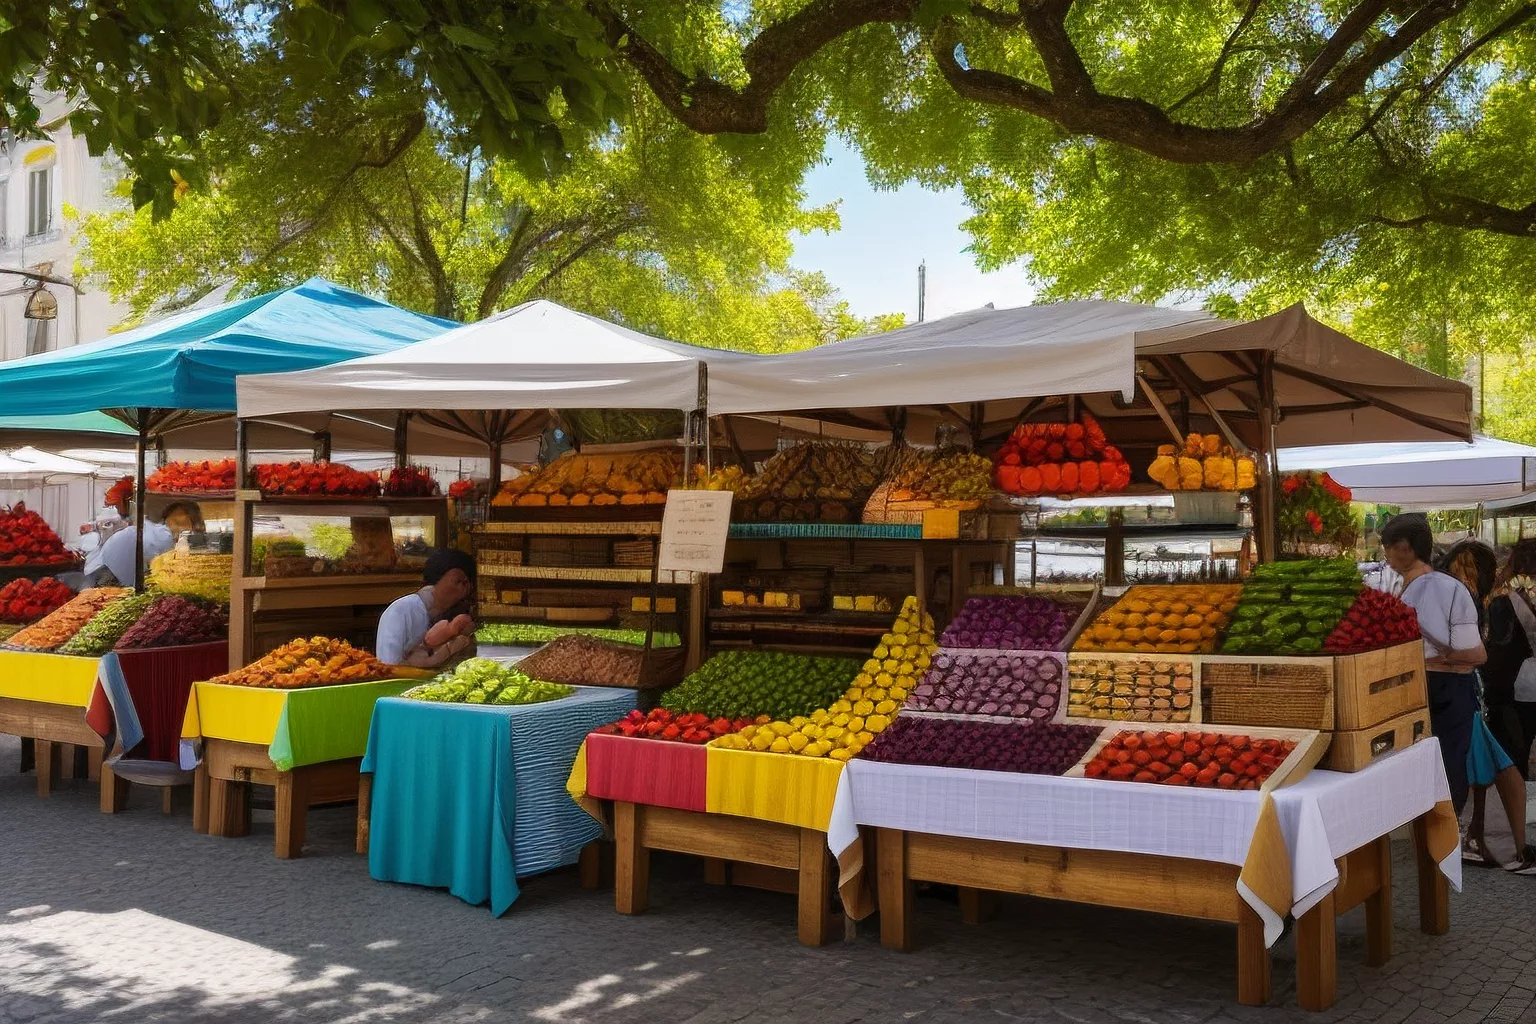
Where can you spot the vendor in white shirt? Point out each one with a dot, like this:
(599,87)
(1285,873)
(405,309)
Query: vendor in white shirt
(426,629)
(112,563)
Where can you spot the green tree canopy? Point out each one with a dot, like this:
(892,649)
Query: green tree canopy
(1219,82)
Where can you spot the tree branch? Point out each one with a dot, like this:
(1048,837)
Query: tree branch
(1514,21)
(510,264)
(1460,211)
(444,302)
(590,243)
(1228,49)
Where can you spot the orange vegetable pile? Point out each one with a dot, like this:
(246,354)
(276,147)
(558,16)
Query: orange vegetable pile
(1173,619)
(1202,463)
(1209,759)
(1060,458)
(317,661)
(193,477)
(575,480)
(316,478)
(59,625)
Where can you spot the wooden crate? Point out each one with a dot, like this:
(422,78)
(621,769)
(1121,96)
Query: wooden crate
(1287,692)
(1354,749)
(1375,686)
(1311,745)
(1077,669)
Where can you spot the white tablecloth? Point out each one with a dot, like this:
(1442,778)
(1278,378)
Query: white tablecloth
(1322,817)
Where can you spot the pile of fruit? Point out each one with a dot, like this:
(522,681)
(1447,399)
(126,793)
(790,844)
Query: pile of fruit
(196,574)
(1060,458)
(107,626)
(1174,619)
(65,621)
(193,477)
(576,480)
(1020,684)
(1375,620)
(1203,463)
(1291,607)
(864,711)
(316,661)
(26,539)
(921,479)
(483,681)
(1220,760)
(745,684)
(521,634)
(173,620)
(1145,689)
(410,482)
(1047,748)
(815,481)
(1313,509)
(23,600)
(463,489)
(661,724)
(724,478)
(1012,623)
(119,494)
(331,479)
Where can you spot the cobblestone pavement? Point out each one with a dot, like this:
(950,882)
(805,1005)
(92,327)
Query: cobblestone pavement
(136,918)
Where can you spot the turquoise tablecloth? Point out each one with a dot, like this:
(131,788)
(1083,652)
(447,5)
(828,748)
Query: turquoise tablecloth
(470,798)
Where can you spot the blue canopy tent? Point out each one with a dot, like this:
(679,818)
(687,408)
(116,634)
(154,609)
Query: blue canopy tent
(181,370)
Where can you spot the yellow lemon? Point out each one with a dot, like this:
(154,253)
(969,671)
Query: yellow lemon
(872,665)
(884,679)
(798,741)
(882,651)
(842,705)
(854,693)
(762,740)
(821,716)
(865,738)
(855,724)
(840,755)
(831,732)
(876,723)
(798,721)
(748,732)
(885,707)
(863,707)
(842,718)
(813,731)
(898,693)
(781,728)
(890,665)
(898,652)
(780,745)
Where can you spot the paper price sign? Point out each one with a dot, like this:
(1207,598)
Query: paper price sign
(693,531)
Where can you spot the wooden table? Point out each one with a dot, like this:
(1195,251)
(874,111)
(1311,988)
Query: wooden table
(221,803)
(55,731)
(763,854)
(1165,885)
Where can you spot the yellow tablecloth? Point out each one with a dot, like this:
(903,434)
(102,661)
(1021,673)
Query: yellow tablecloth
(772,787)
(47,678)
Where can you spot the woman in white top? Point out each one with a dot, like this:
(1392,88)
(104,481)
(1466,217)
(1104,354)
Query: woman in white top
(1453,642)
(426,629)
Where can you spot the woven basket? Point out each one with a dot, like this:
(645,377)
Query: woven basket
(573,660)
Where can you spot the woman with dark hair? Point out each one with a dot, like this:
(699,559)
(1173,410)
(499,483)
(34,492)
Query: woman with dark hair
(427,628)
(1453,642)
(1488,763)
(1510,675)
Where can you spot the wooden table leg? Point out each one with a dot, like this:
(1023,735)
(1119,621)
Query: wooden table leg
(1253,981)
(65,769)
(291,808)
(896,891)
(1434,890)
(364,810)
(93,759)
(596,865)
(1317,957)
(715,872)
(1378,909)
(229,808)
(167,799)
(114,791)
(815,878)
(632,861)
(977,905)
(46,764)
(200,800)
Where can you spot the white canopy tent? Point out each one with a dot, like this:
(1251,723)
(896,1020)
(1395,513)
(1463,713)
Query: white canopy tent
(535,356)
(49,464)
(1424,474)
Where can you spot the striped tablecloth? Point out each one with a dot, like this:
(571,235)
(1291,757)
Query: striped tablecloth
(472,797)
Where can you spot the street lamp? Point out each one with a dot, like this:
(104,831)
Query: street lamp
(42,305)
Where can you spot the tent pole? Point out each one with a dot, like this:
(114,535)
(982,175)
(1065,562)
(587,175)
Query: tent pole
(1266,526)
(495,478)
(402,458)
(242,453)
(140,447)
(320,451)
(703,416)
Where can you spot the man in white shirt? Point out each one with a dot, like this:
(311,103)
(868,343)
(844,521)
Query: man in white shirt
(116,555)
(402,637)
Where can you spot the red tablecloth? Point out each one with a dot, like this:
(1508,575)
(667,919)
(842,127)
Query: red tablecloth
(159,680)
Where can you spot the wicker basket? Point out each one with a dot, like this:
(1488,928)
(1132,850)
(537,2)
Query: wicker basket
(570,659)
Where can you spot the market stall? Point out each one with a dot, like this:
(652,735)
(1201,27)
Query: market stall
(1424,474)
(295,719)
(471,797)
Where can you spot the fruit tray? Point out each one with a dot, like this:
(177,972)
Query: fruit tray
(854,531)
(1310,747)
(1155,689)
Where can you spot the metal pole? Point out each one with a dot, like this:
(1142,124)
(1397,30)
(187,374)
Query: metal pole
(138,495)
(922,290)
(495,478)
(402,436)
(1265,524)
(242,454)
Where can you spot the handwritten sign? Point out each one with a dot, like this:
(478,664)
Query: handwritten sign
(693,531)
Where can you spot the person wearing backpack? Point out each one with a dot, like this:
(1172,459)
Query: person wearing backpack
(1489,764)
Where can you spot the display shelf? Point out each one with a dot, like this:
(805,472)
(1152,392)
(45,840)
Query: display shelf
(838,531)
(585,574)
(198,496)
(36,570)
(631,527)
(1141,532)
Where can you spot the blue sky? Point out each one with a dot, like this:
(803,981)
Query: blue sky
(886,234)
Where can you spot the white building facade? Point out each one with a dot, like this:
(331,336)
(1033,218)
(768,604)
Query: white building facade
(39,178)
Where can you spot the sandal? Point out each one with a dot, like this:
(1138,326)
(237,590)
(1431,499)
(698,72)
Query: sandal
(1528,868)
(1476,854)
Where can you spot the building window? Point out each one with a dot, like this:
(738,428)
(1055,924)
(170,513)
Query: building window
(38,334)
(4,195)
(39,201)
